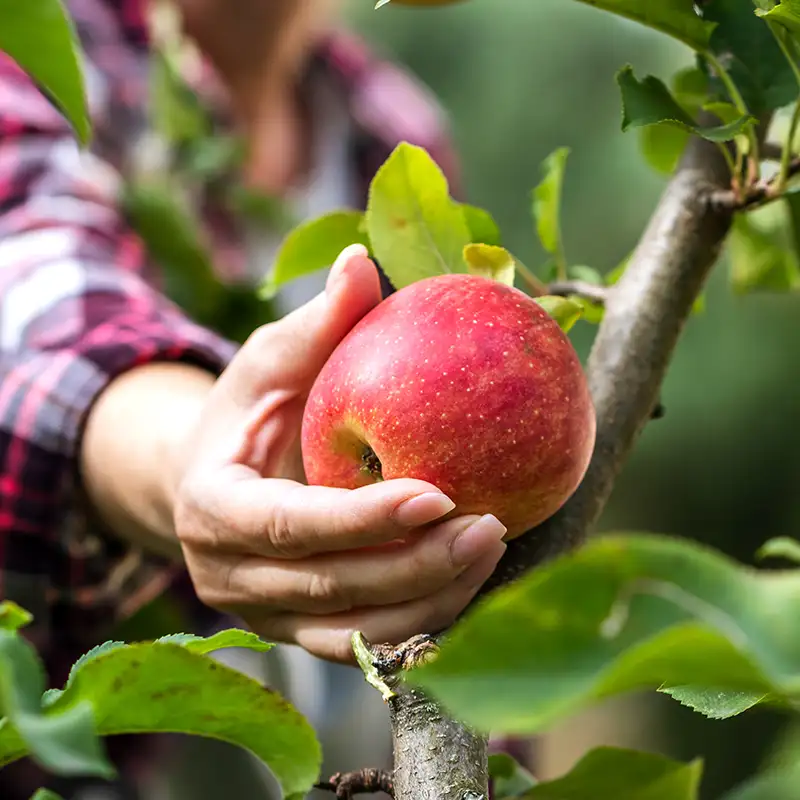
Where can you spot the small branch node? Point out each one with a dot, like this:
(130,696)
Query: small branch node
(346,784)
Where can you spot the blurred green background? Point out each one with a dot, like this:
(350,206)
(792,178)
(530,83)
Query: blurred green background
(520,78)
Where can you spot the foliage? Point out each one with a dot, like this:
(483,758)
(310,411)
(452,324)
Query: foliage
(627,612)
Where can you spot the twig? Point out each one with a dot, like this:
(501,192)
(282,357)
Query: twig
(759,194)
(588,291)
(346,784)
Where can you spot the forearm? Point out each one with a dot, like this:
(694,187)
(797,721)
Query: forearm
(133,447)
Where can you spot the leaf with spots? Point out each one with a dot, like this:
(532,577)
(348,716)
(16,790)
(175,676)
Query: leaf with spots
(491,262)
(164,687)
(415,228)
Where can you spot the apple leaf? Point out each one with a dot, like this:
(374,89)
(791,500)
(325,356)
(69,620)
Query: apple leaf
(676,18)
(547,207)
(63,740)
(564,310)
(490,262)
(760,258)
(312,246)
(415,228)
(624,612)
(176,111)
(624,775)
(175,240)
(219,641)
(13,617)
(662,145)
(649,102)
(41,38)
(752,57)
(509,777)
(482,227)
(46,794)
(779,783)
(780,547)
(713,703)
(786,13)
(171,686)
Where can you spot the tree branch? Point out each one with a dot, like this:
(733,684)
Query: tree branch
(644,316)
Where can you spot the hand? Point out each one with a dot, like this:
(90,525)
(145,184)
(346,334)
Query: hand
(310,565)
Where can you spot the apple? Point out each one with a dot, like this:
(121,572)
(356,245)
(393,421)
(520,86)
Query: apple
(462,381)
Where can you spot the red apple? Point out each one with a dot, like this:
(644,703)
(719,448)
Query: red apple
(461,381)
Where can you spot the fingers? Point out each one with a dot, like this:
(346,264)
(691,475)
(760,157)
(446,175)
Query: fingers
(283,519)
(294,349)
(329,637)
(371,577)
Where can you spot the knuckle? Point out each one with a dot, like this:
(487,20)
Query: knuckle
(281,533)
(325,592)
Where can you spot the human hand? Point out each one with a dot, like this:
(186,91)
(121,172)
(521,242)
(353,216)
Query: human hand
(309,564)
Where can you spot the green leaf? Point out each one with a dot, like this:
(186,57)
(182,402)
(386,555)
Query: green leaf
(415,229)
(312,246)
(676,18)
(713,703)
(509,778)
(751,55)
(760,259)
(219,641)
(620,614)
(565,311)
(13,617)
(778,783)
(46,794)
(547,206)
(158,687)
(786,13)
(649,102)
(592,313)
(174,240)
(490,262)
(482,227)
(780,547)
(62,741)
(624,775)
(176,111)
(40,37)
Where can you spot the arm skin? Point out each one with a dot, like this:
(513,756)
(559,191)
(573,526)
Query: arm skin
(133,448)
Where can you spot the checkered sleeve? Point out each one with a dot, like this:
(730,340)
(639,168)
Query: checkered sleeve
(77,307)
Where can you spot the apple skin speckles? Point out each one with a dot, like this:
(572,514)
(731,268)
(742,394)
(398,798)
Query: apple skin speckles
(463,382)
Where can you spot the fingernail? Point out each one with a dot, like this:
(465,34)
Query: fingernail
(475,540)
(423,508)
(341,262)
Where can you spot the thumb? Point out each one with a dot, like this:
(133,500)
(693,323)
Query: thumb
(294,349)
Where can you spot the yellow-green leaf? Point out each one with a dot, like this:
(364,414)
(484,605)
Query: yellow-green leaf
(490,262)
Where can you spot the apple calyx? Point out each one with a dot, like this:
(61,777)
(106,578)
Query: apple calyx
(371,464)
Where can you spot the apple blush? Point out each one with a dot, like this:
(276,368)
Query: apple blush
(461,381)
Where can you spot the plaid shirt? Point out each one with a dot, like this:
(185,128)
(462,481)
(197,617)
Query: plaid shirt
(80,304)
